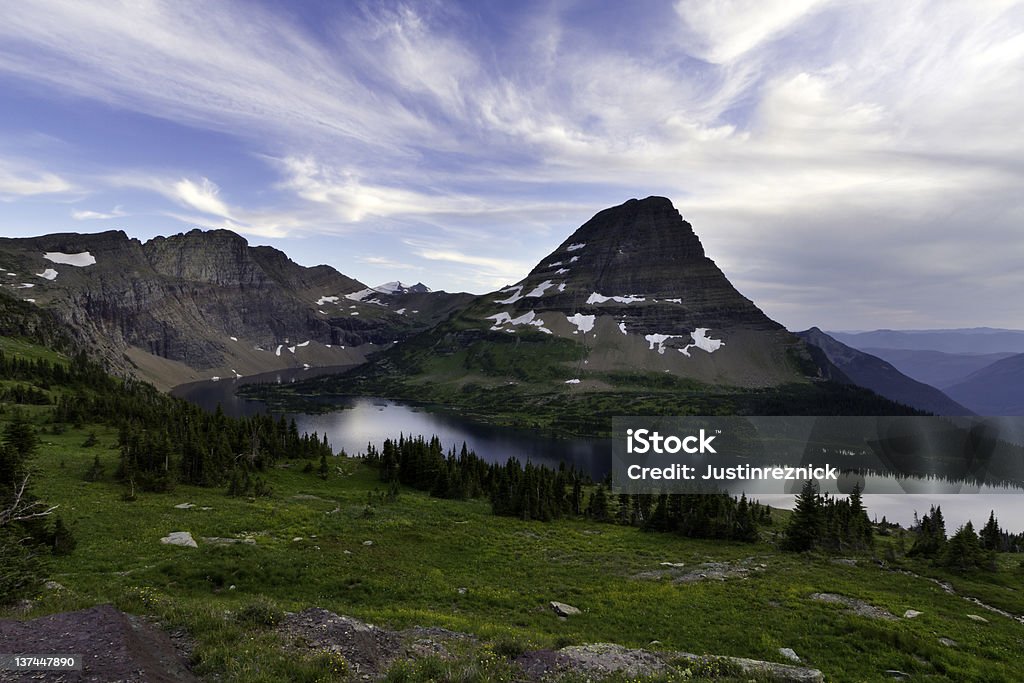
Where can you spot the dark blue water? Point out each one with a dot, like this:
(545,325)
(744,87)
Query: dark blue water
(359,421)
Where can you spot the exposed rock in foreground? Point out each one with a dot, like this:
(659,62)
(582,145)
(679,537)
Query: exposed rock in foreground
(602,659)
(370,651)
(115,647)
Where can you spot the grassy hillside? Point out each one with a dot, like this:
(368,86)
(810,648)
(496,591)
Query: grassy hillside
(309,550)
(397,557)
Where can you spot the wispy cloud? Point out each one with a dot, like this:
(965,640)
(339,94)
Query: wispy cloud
(88,215)
(17,181)
(809,141)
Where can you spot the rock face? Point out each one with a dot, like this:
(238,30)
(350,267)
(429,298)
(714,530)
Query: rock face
(207,301)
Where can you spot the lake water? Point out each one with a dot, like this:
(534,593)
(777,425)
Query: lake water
(361,420)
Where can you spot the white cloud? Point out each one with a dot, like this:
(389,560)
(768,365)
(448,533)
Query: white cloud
(790,132)
(17,181)
(88,215)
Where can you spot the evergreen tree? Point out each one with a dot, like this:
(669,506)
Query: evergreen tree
(805,524)
(991,536)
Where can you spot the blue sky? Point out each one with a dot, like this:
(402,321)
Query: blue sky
(848,164)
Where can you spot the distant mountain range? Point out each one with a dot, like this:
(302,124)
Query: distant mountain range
(978,367)
(975,340)
(873,373)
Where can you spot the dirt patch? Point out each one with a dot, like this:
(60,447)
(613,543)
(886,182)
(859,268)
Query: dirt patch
(114,647)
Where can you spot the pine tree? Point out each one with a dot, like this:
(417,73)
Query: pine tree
(991,536)
(805,524)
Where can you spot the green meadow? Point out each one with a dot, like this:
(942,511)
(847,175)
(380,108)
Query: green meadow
(308,548)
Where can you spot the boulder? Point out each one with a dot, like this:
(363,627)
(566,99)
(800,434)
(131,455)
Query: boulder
(789,654)
(184,506)
(563,610)
(978,618)
(911,614)
(182,538)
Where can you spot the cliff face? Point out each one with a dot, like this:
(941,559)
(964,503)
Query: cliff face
(643,265)
(205,301)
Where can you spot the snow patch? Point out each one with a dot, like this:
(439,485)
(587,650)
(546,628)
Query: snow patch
(326,300)
(305,343)
(561,271)
(657,341)
(81,259)
(31,301)
(361,294)
(572,381)
(674,301)
(583,323)
(538,291)
(321,312)
(26,285)
(278,351)
(233,338)
(622,327)
(529,318)
(513,298)
(561,287)
(702,341)
(574,247)
(355,312)
(48,274)
(291,349)
(574,259)
(596,298)
(553,264)
(400,311)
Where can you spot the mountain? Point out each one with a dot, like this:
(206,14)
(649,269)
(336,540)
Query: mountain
(881,377)
(201,304)
(976,340)
(997,389)
(631,291)
(937,368)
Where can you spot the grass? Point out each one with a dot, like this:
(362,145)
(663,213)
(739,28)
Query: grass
(424,550)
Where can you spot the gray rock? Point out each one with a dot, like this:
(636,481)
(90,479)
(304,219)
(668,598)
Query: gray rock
(599,660)
(184,506)
(463,590)
(367,543)
(182,538)
(978,618)
(856,606)
(911,614)
(949,642)
(53,586)
(789,654)
(898,675)
(562,609)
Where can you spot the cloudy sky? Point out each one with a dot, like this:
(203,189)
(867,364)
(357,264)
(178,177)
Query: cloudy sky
(848,164)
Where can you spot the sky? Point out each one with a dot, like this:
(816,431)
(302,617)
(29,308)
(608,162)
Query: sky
(848,164)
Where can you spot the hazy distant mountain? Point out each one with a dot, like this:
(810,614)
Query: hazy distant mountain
(976,340)
(204,304)
(939,369)
(997,389)
(881,377)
